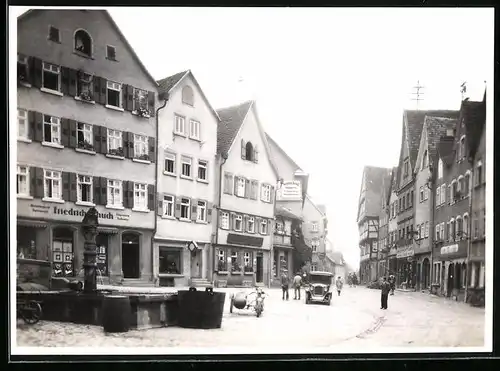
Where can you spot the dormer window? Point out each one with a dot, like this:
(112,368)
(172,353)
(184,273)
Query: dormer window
(249,151)
(188,95)
(83,43)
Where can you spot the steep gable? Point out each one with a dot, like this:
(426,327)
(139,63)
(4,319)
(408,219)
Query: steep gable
(436,127)
(372,189)
(285,165)
(471,122)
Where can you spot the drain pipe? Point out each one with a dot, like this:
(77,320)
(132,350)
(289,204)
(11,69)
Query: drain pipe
(163,96)
(224,156)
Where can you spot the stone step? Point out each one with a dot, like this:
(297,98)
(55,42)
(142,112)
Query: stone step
(137,283)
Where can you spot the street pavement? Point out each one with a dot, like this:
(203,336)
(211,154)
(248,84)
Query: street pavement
(353,320)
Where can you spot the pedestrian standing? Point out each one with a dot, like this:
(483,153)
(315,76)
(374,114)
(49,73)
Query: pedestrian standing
(285,281)
(339,285)
(386,288)
(297,282)
(392,283)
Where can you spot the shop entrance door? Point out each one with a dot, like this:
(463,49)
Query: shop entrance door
(259,271)
(130,256)
(196,264)
(451,272)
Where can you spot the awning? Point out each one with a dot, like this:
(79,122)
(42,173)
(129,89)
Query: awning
(105,230)
(31,223)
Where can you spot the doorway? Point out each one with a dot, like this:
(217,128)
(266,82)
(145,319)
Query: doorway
(426,271)
(259,271)
(196,264)
(130,255)
(451,269)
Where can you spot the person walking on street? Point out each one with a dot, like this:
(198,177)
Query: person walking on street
(392,283)
(339,284)
(285,281)
(386,288)
(297,282)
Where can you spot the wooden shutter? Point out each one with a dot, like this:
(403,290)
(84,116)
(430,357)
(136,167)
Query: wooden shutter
(72,124)
(65,185)
(130,194)
(159,210)
(152,147)
(209,212)
(38,127)
(257,225)
(65,80)
(270,226)
(243,149)
(244,223)
(236,185)
(31,125)
(125,104)
(255,189)
(255,154)
(39,182)
(104,190)
(151,197)
(130,144)
(96,81)
(126,145)
(96,131)
(130,97)
(37,72)
(103,84)
(32,181)
(72,187)
(177,212)
(125,195)
(194,209)
(104,140)
(73,75)
(151,103)
(65,132)
(232,221)
(97,190)
(271,198)
(247,188)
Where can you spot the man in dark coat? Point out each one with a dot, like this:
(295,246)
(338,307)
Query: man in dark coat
(285,282)
(386,288)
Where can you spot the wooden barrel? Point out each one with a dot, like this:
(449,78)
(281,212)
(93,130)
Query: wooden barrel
(116,313)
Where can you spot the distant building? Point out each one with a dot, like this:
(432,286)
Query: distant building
(314,229)
(369,209)
(383,233)
(392,224)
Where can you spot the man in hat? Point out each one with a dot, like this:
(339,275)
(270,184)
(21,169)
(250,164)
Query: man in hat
(285,282)
(386,288)
(297,282)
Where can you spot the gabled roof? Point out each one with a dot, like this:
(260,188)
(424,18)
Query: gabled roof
(474,116)
(336,257)
(271,140)
(446,150)
(168,84)
(436,127)
(231,119)
(315,206)
(374,178)
(31,12)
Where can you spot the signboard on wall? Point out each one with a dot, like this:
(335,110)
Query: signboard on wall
(405,252)
(450,249)
(290,191)
(70,212)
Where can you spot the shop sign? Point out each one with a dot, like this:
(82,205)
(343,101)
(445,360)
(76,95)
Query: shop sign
(405,252)
(365,257)
(290,191)
(450,249)
(75,211)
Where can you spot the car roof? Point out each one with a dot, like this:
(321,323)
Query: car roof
(319,273)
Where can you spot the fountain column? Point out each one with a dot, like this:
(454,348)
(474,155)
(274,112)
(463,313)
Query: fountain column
(89,229)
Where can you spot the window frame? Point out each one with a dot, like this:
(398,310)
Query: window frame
(187,206)
(46,69)
(179,121)
(250,220)
(238,217)
(53,178)
(170,156)
(85,133)
(186,160)
(91,46)
(224,217)
(263,227)
(240,186)
(141,142)
(53,122)
(24,117)
(107,52)
(112,138)
(142,189)
(116,185)
(58,34)
(135,101)
(23,174)
(200,209)
(195,124)
(265,188)
(110,85)
(202,164)
(168,200)
(79,189)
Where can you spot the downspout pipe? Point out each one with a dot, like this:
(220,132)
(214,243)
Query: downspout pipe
(163,96)
(224,156)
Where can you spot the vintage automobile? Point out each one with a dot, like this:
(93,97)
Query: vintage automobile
(318,288)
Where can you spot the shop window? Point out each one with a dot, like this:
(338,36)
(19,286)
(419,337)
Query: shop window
(170,260)
(83,43)
(102,243)
(221,260)
(62,252)
(26,242)
(235,262)
(248,261)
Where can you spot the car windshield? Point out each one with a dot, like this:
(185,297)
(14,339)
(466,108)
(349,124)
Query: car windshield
(326,280)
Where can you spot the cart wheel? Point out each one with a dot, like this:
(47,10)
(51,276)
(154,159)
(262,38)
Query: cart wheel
(31,313)
(231,306)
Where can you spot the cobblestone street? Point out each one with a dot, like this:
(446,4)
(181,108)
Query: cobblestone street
(353,319)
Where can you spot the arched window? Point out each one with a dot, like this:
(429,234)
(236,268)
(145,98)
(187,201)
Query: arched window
(440,168)
(467,184)
(188,95)
(459,228)
(460,185)
(452,230)
(249,151)
(465,225)
(83,42)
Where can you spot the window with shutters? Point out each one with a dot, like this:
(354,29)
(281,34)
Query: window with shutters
(249,152)
(426,229)
(51,77)
(180,125)
(51,129)
(194,130)
(221,260)
(115,197)
(186,167)
(54,34)
(265,193)
(23,184)
(466,186)
(22,70)
(84,189)
(169,163)
(85,136)
(251,224)
(443,194)
(52,185)
(263,226)
(141,102)
(140,196)
(185,208)
(240,187)
(85,88)
(22,124)
(83,43)
(168,205)
(111,52)
(141,150)
(115,143)
(201,215)
(224,220)
(188,95)
(238,223)
(114,94)
(235,262)
(202,170)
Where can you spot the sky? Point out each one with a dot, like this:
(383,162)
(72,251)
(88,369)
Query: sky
(330,84)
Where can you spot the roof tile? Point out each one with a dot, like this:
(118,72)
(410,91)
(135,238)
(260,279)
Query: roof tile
(166,84)
(231,119)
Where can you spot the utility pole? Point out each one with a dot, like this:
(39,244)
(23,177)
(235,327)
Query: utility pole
(417,93)
(463,89)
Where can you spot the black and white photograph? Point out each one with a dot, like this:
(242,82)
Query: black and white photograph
(195,180)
